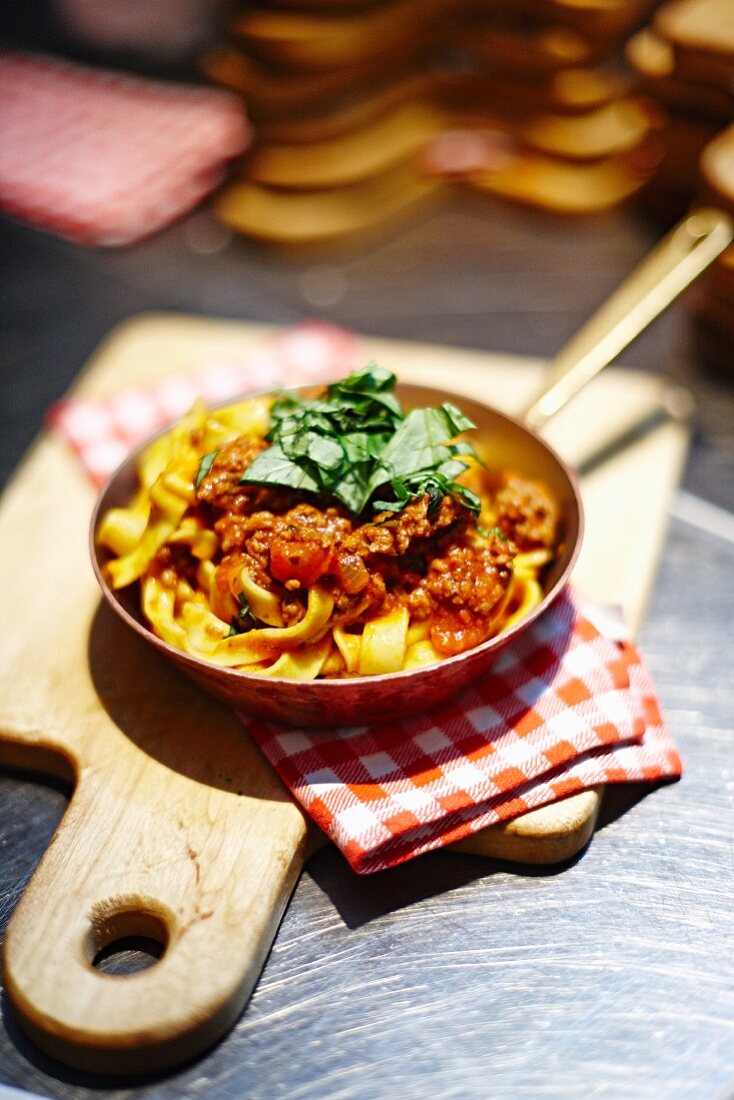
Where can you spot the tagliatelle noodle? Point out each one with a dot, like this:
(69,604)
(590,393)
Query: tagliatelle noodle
(169,496)
(121,529)
(421,653)
(525,594)
(304,663)
(349,646)
(158,607)
(265,605)
(383,643)
(528,564)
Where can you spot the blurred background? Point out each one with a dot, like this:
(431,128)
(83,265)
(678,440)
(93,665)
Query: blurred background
(474,173)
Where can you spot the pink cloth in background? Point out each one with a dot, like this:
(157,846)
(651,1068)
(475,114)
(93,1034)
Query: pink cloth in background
(104,158)
(159,29)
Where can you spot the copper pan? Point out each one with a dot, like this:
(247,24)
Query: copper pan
(505,441)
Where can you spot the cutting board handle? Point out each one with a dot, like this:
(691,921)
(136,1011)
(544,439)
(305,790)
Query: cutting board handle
(144,851)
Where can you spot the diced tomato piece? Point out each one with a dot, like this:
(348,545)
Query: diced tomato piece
(299,560)
(454,631)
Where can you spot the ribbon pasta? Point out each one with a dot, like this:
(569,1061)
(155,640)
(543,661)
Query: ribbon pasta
(162,539)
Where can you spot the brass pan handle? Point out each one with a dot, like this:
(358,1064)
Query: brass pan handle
(673,264)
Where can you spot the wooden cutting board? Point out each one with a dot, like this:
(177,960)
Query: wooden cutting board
(177,828)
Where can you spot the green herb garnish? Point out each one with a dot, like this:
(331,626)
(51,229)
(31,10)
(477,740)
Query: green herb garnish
(357,442)
(487,533)
(204,467)
(244,620)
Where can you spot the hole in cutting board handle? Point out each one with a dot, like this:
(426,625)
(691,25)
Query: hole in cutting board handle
(127,936)
(128,955)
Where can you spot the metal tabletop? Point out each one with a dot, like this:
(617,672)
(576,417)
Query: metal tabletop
(611,976)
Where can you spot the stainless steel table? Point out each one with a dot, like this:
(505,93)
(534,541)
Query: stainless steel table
(609,977)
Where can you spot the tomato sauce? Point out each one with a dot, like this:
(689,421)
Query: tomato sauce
(434,560)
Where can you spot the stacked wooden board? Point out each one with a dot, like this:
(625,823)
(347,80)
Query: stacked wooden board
(363,110)
(685,59)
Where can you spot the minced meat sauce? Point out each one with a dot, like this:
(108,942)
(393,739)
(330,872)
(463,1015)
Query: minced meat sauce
(430,560)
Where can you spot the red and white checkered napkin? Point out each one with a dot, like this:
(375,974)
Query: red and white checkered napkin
(105,158)
(563,708)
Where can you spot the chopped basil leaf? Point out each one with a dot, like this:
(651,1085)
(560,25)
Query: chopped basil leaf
(319,449)
(204,467)
(273,467)
(488,533)
(420,443)
(244,620)
(356,440)
(435,484)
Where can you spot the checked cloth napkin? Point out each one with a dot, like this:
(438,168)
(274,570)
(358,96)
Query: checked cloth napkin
(563,708)
(104,158)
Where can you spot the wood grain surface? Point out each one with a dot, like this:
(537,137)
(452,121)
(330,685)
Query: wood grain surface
(177,828)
